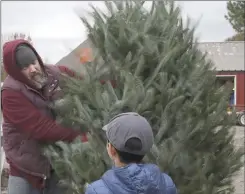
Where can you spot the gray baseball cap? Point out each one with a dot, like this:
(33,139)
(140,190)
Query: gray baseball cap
(129,125)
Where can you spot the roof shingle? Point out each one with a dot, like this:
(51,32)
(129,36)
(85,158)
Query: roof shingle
(226,56)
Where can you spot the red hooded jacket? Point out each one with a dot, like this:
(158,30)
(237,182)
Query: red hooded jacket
(15,105)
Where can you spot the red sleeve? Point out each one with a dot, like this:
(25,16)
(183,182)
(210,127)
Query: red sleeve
(69,72)
(27,118)
(66,70)
(113,83)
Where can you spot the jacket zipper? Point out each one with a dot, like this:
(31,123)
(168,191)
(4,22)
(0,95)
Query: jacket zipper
(44,181)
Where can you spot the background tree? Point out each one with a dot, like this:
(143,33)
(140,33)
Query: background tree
(236,37)
(160,73)
(6,38)
(236,17)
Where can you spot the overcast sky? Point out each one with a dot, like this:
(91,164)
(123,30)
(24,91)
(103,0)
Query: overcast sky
(56,29)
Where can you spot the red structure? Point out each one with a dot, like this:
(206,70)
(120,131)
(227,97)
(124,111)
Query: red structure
(239,87)
(228,58)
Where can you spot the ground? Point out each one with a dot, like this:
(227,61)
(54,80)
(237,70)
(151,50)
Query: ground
(238,179)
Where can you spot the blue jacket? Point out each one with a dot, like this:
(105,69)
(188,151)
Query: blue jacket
(133,179)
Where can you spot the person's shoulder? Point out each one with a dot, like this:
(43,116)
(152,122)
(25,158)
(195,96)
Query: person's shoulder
(12,84)
(97,187)
(168,180)
(100,186)
(170,185)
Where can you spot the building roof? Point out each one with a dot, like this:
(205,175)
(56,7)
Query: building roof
(226,56)
(72,60)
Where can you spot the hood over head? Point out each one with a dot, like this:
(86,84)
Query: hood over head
(16,55)
(135,179)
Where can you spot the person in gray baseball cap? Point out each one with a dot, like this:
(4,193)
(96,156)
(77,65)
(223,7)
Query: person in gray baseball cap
(129,139)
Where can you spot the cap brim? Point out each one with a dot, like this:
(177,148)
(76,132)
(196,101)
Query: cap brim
(105,128)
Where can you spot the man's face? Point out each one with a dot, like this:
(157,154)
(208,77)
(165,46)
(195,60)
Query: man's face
(35,74)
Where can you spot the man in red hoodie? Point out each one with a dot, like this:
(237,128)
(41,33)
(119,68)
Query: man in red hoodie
(27,119)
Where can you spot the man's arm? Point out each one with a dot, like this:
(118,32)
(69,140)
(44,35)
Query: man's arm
(26,117)
(71,73)
(67,71)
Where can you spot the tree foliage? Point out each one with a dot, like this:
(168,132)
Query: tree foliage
(236,37)
(236,17)
(161,74)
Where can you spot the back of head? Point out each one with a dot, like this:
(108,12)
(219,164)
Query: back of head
(131,135)
(133,144)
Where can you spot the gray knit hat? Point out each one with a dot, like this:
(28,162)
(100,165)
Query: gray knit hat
(24,56)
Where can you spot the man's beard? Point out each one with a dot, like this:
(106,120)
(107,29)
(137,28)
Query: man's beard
(39,80)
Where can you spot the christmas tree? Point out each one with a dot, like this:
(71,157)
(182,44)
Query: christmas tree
(157,71)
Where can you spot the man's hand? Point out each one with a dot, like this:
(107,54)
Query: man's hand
(84,137)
